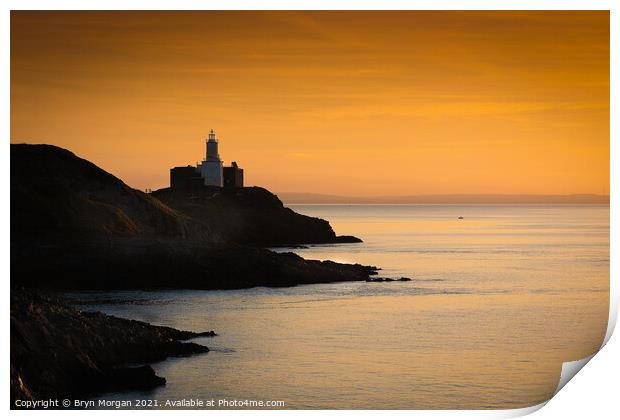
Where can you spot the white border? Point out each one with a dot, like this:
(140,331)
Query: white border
(596,386)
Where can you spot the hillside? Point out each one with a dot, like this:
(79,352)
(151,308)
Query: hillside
(55,193)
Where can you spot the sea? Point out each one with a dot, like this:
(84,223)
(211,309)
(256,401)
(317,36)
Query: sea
(500,297)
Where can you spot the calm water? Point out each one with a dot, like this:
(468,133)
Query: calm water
(499,300)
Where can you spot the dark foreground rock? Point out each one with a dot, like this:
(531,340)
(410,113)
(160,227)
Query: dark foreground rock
(59,352)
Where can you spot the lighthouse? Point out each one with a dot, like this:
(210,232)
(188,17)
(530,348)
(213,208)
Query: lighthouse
(212,168)
(209,172)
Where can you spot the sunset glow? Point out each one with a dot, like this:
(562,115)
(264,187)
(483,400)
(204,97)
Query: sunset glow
(349,103)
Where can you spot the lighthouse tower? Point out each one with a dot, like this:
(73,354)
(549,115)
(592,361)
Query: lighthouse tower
(211,168)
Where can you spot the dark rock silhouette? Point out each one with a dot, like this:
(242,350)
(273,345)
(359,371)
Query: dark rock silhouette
(249,216)
(55,193)
(59,352)
(75,226)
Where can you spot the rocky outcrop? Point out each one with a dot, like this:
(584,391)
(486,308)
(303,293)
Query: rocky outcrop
(59,352)
(386,279)
(249,216)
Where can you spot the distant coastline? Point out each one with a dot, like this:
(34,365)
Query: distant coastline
(314,198)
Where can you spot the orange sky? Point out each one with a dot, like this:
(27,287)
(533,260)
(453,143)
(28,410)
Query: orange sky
(349,103)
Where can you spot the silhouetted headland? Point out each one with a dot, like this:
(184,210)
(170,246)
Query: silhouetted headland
(75,226)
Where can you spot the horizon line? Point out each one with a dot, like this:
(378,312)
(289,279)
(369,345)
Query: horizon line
(319,198)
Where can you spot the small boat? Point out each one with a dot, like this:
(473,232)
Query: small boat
(460,217)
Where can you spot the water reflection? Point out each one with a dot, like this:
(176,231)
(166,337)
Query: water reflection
(499,300)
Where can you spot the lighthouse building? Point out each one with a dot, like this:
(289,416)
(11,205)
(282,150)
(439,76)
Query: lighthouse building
(210,172)
(211,168)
